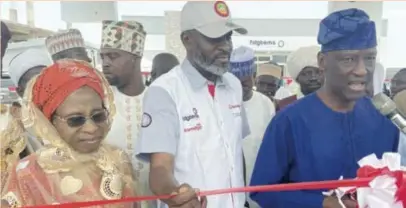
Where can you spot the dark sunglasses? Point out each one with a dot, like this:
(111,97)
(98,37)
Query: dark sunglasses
(78,121)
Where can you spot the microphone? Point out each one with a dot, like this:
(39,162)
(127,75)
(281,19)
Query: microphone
(388,108)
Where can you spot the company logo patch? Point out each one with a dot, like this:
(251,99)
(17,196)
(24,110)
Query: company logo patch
(146,120)
(195,115)
(221,8)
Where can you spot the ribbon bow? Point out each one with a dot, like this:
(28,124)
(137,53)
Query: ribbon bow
(401,183)
(387,189)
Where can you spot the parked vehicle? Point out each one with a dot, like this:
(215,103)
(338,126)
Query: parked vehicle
(8,92)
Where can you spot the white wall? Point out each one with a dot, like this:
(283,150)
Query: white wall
(396,39)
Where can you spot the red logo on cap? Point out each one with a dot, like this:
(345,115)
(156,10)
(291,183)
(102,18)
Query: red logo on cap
(221,8)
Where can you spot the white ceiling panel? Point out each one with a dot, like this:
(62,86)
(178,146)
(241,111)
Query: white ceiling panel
(88,11)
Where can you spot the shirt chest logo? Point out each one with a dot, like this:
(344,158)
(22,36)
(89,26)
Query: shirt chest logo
(190,117)
(191,122)
(235,109)
(196,127)
(146,120)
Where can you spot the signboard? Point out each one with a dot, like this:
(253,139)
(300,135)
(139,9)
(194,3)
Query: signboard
(266,43)
(269,43)
(88,11)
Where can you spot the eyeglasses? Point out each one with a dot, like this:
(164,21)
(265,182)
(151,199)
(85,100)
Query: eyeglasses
(78,121)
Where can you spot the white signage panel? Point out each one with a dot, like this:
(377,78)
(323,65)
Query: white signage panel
(266,43)
(88,11)
(396,42)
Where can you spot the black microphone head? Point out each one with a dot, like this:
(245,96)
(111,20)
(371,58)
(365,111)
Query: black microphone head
(384,104)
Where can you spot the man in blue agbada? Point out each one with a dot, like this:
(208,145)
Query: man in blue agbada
(324,135)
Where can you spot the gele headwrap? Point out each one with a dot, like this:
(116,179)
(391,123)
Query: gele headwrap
(349,29)
(59,80)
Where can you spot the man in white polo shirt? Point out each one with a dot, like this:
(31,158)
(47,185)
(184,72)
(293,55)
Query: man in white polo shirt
(194,120)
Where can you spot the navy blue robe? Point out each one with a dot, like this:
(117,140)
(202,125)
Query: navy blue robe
(307,141)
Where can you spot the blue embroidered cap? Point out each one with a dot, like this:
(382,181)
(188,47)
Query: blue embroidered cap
(349,29)
(242,62)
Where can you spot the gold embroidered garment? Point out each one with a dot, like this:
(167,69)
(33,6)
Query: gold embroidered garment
(56,173)
(12,143)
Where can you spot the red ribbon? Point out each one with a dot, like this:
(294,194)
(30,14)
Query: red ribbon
(362,182)
(365,175)
(369,171)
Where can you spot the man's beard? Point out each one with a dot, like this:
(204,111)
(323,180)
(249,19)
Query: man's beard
(202,62)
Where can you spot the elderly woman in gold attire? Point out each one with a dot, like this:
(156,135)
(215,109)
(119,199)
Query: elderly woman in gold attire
(70,106)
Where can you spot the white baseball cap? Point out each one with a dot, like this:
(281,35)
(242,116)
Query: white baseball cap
(211,18)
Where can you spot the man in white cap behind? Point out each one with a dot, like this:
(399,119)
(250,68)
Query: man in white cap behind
(194,121)
(23,67)
(121,51)
(67,45)
(307,77)
(259,108)
(268,79)
(16,143)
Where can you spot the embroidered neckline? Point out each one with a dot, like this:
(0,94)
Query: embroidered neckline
(129,102)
